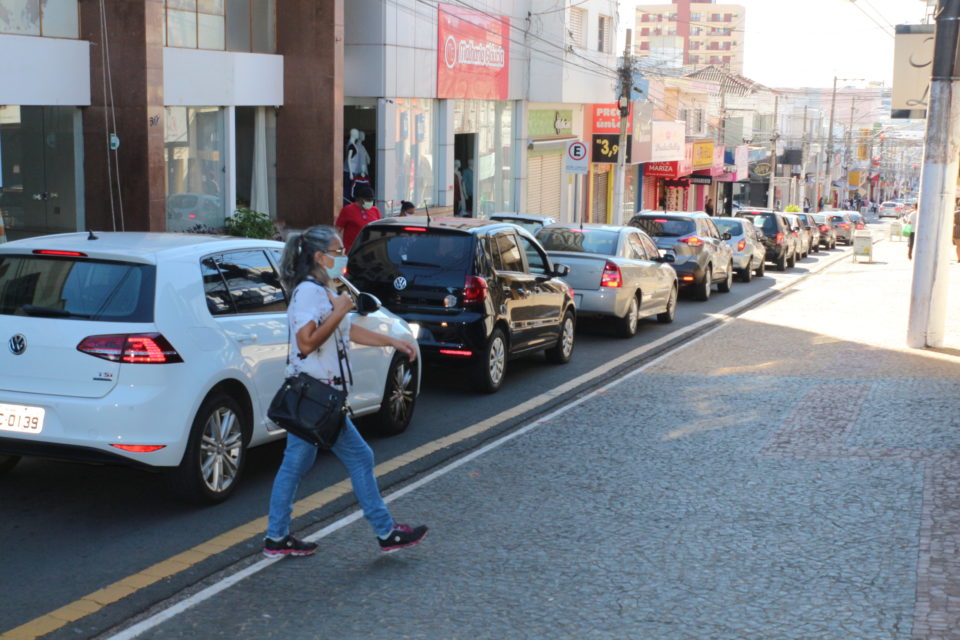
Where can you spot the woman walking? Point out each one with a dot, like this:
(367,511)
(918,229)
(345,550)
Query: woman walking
(319,332)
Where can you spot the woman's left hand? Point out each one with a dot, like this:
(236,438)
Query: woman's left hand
(406,348)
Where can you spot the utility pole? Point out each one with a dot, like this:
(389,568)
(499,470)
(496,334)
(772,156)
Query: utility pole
(771,192)
(848,152)
(623,102)
(938,182)
(803,161)
(829,178)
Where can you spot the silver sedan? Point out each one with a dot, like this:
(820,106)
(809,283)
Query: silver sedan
(747,245)
(616,272)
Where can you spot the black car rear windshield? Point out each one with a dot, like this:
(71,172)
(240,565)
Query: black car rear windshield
(765,221)
(77,288)
(582,241)
(658,227)
(383,253)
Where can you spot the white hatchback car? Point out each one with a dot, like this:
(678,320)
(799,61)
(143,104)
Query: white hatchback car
(163,350)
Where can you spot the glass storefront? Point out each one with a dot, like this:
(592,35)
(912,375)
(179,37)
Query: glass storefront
(51,18)
(41,170)
(256,173)
(415,167)
(490,124)
(194,155)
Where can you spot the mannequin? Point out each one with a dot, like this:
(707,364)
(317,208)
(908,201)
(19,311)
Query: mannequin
(355,164)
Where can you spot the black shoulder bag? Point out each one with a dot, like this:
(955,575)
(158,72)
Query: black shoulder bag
(312,409)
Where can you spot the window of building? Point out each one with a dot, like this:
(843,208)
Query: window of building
(727,17)
(231,25)
(416,134)
(578,27)
(715,17)
(51,18)
(645,31)
(645,17)
(672,17)
(195,157)
(605,34)
(644,46)
(694,17)
(695,31)
(694,59)
(726,59)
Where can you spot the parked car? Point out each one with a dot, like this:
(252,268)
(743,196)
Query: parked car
(747,244)
(162,351)
(480,291)
(529,221)
(616,273)
(843,226)
(702,258)
(890,209)
(828,236)
(803,239)
(810,226)
(188,210)
(778,238)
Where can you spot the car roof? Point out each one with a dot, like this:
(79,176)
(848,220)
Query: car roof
(443,223)
(594,226)
(673,214)
(532,217)
(134,245)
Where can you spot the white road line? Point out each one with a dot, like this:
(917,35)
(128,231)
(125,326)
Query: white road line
(725,316)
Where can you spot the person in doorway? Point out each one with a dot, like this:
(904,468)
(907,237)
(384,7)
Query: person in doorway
(319,325)
(407,208)
(911,219)
(708,207)
(459,204)
(356,215)
(467,180)
(820,204)
(956,232)
(806,205)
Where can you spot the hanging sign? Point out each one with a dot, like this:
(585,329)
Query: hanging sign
(473,54)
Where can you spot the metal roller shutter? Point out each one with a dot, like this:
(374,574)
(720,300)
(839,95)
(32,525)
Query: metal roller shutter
(598,212)
(544,177)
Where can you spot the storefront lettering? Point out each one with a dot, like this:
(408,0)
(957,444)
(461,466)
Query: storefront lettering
(483,54)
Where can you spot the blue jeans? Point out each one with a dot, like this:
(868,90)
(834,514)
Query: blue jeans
(356,456)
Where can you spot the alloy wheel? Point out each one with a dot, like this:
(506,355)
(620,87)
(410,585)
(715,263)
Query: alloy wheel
(496,360)
(402,394)
(221,447)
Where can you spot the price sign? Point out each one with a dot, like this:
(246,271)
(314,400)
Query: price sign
(606,146)
(576,159)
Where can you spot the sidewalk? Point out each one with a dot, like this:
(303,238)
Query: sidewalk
(793,475)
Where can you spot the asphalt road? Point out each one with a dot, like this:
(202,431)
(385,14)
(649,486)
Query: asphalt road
(68,530)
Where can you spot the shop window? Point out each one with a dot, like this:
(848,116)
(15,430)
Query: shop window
(256,169)
(415,166)
(51,18)
(194,156)
(232,25)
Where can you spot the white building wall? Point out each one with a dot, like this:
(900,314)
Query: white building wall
(44,71)
(200,77)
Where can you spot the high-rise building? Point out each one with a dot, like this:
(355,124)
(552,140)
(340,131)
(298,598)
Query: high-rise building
(710,33)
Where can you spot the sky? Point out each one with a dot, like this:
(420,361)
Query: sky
(805,43)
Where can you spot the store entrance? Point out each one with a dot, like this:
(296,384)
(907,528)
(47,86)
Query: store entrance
(359,149)
(464,177)
(39,160)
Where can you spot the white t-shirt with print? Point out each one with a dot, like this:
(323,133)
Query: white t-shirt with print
(311,303)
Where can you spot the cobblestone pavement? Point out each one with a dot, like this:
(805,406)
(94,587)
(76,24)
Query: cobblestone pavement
(793,475)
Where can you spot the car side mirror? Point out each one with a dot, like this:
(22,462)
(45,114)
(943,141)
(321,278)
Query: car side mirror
(367,303)
(667,257)
(726,235)
(561,271)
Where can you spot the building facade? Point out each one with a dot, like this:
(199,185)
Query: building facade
(700,31)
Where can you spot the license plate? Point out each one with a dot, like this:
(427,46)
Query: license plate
(21,418)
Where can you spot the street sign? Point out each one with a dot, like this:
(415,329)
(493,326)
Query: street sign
(577,160)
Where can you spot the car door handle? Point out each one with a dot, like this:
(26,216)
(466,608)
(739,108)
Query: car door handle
(245,338)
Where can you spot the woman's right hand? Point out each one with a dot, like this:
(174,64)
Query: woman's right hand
(342,304)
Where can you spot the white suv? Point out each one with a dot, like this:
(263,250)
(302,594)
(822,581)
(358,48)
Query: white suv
(162,350)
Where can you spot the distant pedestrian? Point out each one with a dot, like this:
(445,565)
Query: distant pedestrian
(806,205)
(319,332)
(911,222)
(820,204)
(956,232)
(708,207)
(407,208)
(356,215)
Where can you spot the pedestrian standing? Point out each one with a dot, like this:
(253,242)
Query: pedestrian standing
(956,232)
(911,220)
(356,215)
(319,331)
(806,205)
(820,204)
(708,207)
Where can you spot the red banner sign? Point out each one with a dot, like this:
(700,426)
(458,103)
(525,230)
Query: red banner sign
(473,54)
(605,118)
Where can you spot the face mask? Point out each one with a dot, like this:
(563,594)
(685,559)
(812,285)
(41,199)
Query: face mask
(367,205)
(339,264)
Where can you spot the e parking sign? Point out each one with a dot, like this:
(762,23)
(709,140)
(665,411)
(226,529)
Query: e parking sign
(577,158)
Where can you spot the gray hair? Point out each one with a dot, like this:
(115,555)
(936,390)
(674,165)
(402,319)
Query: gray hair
(297,263)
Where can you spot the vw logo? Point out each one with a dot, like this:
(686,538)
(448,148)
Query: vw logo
(400,283)
(18,344)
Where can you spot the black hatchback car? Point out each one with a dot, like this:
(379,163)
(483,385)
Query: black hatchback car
(701,254)
(778,238)
(481,292)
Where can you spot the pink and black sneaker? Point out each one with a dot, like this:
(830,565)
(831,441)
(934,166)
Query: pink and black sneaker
(401,537)
(289,546)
